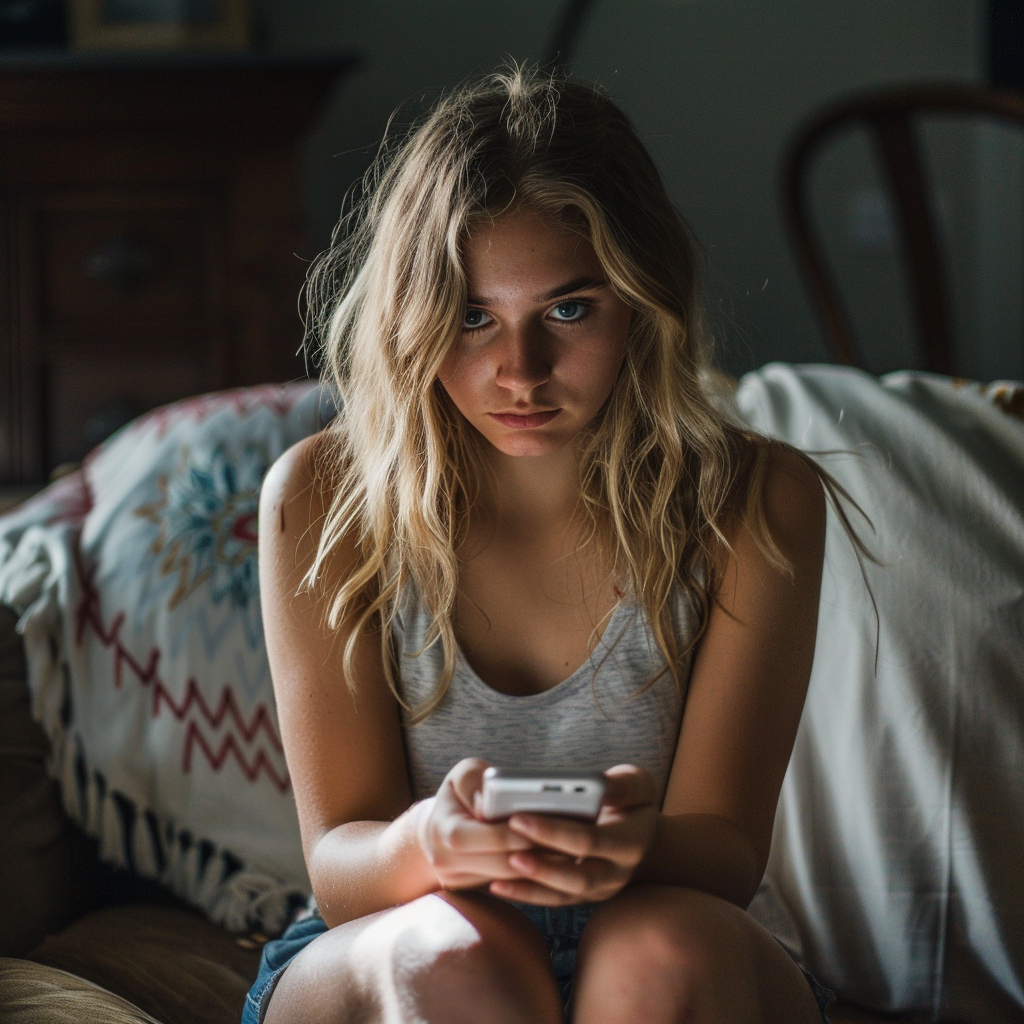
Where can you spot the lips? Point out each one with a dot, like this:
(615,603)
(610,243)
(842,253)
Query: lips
(517,422)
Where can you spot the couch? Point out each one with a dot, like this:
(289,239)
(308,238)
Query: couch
(103,919)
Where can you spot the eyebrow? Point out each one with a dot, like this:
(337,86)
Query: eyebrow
(575,285)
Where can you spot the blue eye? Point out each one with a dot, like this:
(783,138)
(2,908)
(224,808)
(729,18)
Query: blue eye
(570,311)
(475,318)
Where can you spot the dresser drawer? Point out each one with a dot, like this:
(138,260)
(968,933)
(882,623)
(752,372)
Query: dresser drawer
(109,267)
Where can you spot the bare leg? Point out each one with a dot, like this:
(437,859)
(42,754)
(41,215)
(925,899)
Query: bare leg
(664,955)
(451,958)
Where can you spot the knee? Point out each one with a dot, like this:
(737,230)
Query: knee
(456,959)
(376,970)
(667,952)
(439,960)
(671,958)
(649,929)
(501,976)
(470,984)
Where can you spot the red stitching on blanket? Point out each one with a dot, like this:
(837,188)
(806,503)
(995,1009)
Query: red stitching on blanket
(67,501)
(88,613)
(193,735)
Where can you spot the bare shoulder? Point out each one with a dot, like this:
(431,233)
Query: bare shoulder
(793,500)
(787,514)
(296,485)
(295,499)
(293,471)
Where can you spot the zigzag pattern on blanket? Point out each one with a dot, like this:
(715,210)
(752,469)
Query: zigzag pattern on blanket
(193,710)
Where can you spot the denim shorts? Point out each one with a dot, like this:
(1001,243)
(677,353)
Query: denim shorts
(562,928)
(277,955)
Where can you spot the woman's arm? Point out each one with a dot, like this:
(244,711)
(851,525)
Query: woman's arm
(344,749)
(367,847)
(746,695)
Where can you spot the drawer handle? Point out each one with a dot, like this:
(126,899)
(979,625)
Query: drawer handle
(124,262)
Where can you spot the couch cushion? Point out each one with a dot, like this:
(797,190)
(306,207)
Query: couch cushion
(33,994)
(171,963)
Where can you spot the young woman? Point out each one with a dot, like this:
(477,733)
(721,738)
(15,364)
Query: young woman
(530,540)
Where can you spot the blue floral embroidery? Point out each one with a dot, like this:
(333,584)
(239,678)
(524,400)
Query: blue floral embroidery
(206,515)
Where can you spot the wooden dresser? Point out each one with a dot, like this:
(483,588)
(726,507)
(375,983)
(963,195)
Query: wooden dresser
(150,225)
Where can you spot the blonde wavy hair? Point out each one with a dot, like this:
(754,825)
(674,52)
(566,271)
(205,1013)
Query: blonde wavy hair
(660,467)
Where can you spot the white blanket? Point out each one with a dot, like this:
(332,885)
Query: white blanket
(898,856)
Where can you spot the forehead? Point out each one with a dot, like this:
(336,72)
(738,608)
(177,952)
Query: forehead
(526,245)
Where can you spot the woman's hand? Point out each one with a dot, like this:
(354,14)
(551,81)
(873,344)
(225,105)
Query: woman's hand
(581,862)
(463,851)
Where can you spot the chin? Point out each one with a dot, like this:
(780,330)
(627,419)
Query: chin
(528,451)
(527,447)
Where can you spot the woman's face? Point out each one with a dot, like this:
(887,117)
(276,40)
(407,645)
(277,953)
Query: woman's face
(543,335)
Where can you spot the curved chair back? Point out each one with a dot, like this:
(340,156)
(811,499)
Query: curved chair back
(888,116)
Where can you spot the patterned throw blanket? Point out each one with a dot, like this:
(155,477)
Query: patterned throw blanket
(137,581)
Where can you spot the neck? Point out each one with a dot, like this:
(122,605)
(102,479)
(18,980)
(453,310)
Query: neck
(534,494)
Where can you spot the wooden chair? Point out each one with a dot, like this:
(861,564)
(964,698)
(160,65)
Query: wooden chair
(888,116)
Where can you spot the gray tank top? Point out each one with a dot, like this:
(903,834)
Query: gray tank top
(602,715)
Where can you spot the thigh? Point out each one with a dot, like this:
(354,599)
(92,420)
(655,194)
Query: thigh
(663,954)
(446,957)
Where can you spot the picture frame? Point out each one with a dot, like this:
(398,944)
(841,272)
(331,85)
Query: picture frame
(160,24)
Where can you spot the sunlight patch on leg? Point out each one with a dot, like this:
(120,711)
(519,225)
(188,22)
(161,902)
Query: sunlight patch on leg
(403,943)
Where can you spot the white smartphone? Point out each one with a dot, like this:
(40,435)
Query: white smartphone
(566,793)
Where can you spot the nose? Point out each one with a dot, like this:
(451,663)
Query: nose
(524,359)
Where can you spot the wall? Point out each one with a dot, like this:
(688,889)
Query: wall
(716,87)
(411,51)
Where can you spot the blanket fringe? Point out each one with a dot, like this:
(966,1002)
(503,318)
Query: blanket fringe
(34,579)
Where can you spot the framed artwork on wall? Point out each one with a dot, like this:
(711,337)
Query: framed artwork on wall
(160,24)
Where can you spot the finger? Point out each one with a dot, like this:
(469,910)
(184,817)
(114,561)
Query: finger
(468,836)
(613,838)
(567,835)
(473,871)
(565,875)
(629,786)
(621,837)
(525,891)
(466,780)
